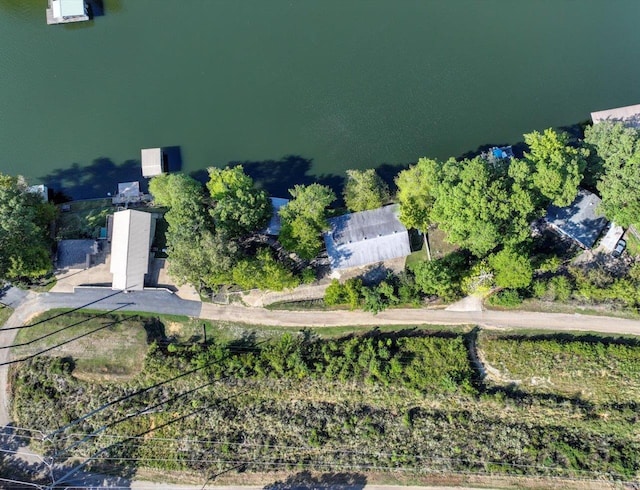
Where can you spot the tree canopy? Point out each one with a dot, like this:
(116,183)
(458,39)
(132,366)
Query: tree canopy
(24,220)
(558,167)
(304,218)
(619,149)
(417,193)
(481,206)
(239,208)
(365,190)
(511,269)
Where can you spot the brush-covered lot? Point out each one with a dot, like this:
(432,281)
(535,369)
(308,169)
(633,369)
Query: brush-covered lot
(253,399)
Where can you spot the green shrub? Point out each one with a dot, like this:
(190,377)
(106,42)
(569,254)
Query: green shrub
(507,297)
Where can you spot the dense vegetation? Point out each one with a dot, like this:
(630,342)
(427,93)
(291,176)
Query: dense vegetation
(406,399)
(25,246)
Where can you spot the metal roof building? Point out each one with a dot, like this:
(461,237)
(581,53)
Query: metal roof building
(130,245)
(629,115)
(366,237)
(275,225)
(152,161)
(579,221)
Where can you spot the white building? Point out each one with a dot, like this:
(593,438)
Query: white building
(152,161)
(130,244)
(63,11)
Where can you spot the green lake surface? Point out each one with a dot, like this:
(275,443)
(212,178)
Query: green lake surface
(299,89)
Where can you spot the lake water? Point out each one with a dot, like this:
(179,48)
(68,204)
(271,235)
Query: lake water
(299,89)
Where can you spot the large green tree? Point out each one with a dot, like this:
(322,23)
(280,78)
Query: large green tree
(417,193)
(364,189)
(197,254)
(239,207)
(304,218)
(481,206)
(24,221)
(558,167)
(618,147)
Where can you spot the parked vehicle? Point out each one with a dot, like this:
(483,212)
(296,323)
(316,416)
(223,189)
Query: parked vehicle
(617,252)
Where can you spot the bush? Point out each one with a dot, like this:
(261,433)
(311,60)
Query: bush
(508,297)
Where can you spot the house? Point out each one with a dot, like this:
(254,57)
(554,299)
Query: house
(366,237)
(629,115)
(580,221)
(152,162)
(64,11)
(274,226)
(130,243)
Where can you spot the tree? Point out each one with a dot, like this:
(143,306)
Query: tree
(481,206)
(511,269)
(24,221)
(416,194)
(197,255)
(365,190)
(304,218)
(239,208)
(441,277)
(619,149)
(558,167)
(263,272)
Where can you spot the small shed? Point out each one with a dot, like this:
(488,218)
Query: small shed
(275,225)
(366,237)
(130,245)
(628,115)
(580,221)
(152,161)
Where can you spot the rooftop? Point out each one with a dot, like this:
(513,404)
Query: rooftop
(366,237)
(130,246)
(152,162)
(629,115)
(580,220)
(72,254)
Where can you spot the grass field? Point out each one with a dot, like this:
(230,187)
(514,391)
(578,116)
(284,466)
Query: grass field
(594,368)
(84,219)
(409,399)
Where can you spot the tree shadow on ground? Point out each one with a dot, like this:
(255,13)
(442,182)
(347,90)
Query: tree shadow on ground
(95,180)
(306,480)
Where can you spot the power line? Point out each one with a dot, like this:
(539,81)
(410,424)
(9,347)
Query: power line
(62,314)
(124,305)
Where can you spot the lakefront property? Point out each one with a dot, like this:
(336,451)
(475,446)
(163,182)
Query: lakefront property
(465,321)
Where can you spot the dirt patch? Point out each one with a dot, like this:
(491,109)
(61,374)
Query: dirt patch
(174,329)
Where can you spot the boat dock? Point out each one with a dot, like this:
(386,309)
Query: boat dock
(66,11)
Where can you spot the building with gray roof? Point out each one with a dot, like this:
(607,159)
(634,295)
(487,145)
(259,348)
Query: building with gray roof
(580,221)
(75,254)
(367,237)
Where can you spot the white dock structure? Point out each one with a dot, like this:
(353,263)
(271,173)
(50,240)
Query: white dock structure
(628,115)
(130,246)
(65,11)
(152,162)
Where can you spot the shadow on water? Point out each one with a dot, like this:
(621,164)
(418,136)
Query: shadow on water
(278,176)
(172,158)
(95,180)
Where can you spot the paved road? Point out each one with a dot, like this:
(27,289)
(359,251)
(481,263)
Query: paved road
(28,305)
